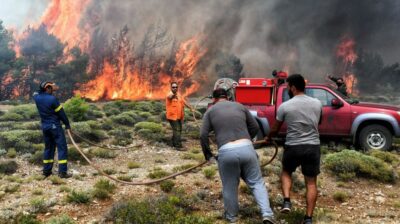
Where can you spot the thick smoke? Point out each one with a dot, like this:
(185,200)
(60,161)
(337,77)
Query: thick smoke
(300,36)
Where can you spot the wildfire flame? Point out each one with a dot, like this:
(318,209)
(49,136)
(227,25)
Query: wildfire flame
(62,19)
(122,82)
(347,54)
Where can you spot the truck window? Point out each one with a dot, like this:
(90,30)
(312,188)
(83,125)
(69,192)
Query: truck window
(322,95)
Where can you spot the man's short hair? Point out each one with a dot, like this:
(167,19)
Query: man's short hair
(220,93)
(297,81)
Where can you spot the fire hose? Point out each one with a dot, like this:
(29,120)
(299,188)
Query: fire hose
(160,179)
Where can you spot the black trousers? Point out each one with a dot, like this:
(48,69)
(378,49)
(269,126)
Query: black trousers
(176,132)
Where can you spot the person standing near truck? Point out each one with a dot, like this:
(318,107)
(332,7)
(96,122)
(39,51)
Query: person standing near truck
(302,115)
(175,105)
(341,86)
(234,127)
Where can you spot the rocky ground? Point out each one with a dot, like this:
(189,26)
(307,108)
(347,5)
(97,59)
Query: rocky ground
(26,192)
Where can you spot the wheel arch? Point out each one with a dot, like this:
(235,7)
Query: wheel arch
(364,120)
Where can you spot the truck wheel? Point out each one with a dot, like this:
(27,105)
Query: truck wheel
(375,137)
(258,137)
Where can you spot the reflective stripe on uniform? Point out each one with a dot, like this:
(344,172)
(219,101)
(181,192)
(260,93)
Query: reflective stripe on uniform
(58,108)
(62,161)
(48,161)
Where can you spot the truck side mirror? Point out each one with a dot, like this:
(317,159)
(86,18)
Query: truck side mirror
(336,103)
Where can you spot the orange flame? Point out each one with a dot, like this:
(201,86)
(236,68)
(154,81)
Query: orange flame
(62,19)
(121,82)
(346,52)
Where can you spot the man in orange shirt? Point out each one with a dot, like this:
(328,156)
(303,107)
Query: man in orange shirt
(175,105)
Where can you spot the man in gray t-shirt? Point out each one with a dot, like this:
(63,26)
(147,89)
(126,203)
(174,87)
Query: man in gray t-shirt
(302,115)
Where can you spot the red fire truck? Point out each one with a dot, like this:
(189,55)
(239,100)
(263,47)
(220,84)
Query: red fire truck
(368,125)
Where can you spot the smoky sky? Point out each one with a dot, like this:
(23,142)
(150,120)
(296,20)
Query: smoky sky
(298,35)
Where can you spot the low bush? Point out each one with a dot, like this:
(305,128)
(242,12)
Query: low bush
(122,136)
(28,112)
(133,165)
(21,140)
(94,112)
(154,210)
(348,164)
(12,153)
(62,219)
(340,196)
(167,185)
(79,197)
(154,127)
(105,185)
(75,156)
(388,157)
(157,173)
(89,130)
(38,205)
(193,156)
(209,172)
(183,167)
(26,219)
(150,131)
(56,180)
(126,118)
(11,117)
(36,158)
(103,153)
(76,108)
(8,167)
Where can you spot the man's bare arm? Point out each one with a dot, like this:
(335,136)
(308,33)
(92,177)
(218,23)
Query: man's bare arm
(274,130)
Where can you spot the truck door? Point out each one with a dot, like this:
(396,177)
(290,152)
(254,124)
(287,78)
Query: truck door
(335,121)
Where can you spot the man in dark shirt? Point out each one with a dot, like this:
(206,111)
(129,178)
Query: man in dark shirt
(234,128)
(51,113)
(341,86)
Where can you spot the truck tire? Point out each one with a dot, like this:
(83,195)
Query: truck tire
(375,137)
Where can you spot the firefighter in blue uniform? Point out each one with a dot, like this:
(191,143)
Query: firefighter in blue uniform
(51,113)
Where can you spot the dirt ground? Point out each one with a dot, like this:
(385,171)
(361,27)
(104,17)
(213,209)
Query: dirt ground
(368,202)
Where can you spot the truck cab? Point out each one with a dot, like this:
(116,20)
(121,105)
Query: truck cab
(370,126)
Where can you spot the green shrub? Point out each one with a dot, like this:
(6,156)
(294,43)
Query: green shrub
(340,196)
(209,172)
(79,197)
(122,136)
(150,135)
(76,108)
(348,163)
(26,219)
(386,156)
(12,153)
(193,156)
(154,127)
(8,167)
(56,180)
(21,140)
(154,210)
(157,173)
(101,194)
(94,113)
(133,165)
(167,185)
(11,117)
(28,111)
(11,188)
(105,185)
(38,205)
(103,153)
(62,219)
(110,171)
(126,118)
(36,158)
(89,130)
(125,178)
(75,156)
(183,167)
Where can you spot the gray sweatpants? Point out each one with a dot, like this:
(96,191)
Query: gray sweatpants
(237,161)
